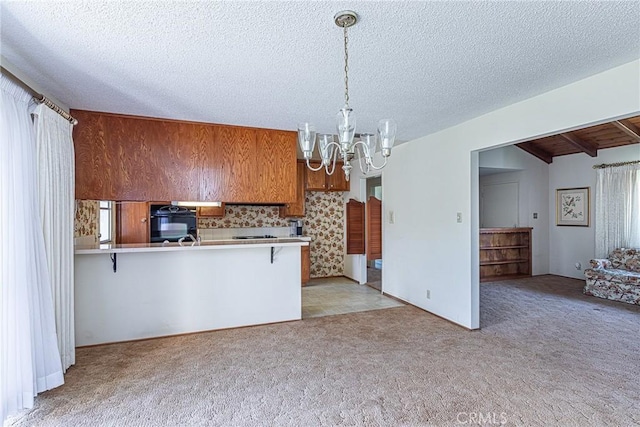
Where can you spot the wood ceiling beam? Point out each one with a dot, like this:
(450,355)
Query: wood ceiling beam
(581,144)
(629,128)
(538,152)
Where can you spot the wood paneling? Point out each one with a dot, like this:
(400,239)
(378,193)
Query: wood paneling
(374,229)
(505,253)
(132,222)
(588,140)
(355,227)
(136,158)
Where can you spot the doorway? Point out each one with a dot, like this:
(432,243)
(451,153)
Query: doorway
(374,232)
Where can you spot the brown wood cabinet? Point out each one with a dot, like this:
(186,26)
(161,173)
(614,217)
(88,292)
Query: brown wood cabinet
(320,181)
(138,158)
(505,253)
(296,209)
(210,211)
(132,222)
(305,261)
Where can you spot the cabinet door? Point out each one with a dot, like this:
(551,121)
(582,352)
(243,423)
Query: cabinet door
(296,209)
(211,211)
(316,180)
(152,161)
(305,261)
(338,181)
(234,156)
(276,167)
(132,222)
(94,171)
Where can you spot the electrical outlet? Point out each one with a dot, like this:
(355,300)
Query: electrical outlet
(578,266)
(428,294)
(535,215)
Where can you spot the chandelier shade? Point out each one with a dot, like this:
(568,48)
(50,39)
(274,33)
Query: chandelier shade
(347,146)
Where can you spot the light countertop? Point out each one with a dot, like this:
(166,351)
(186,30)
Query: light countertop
(186,246)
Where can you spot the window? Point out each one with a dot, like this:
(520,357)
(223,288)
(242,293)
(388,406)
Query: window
(106,221)
(617,207)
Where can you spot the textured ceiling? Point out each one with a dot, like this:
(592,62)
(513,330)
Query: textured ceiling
(271,64)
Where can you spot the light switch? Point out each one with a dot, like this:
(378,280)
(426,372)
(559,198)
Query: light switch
(459,217)
(392,217)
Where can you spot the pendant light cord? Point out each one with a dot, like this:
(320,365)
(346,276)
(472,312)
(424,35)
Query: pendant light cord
(346,66)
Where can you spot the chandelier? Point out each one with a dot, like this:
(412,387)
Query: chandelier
(346,147)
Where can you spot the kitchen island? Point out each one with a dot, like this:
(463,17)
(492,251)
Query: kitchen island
(129,292)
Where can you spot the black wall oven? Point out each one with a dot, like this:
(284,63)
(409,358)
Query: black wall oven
(172,223)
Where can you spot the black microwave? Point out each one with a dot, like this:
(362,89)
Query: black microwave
(172,223)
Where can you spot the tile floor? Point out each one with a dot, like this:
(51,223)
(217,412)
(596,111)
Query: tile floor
(339,295)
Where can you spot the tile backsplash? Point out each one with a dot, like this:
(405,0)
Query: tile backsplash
(323,222)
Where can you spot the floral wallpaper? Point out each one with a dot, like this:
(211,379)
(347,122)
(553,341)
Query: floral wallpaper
(86,224)
(323,223)
(246,216)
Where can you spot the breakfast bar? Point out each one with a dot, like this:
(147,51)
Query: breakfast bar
(130,292)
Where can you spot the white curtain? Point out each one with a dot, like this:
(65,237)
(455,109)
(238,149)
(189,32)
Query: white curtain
(29,357)
(617,208)
(56,185)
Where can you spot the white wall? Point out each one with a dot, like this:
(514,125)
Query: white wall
(429,180)
(533,185)
(571,245)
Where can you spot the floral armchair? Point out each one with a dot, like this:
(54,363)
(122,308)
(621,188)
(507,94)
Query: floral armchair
(615,278)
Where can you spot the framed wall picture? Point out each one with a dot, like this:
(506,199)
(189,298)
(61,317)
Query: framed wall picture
(572,206)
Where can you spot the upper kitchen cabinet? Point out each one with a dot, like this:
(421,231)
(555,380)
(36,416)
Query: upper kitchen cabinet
(211,211)
(277,165)
(296,209)
(320,181)
(136,158)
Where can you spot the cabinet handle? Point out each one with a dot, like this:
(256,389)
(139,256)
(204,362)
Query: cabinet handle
(143,220)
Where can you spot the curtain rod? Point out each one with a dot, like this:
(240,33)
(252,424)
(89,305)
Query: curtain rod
(38,97)
(613,165)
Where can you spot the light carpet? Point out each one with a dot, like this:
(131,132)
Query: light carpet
(546,355)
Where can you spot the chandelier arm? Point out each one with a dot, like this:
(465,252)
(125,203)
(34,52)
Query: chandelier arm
(335,157)
(374,167)
(364,149)
(363,153)
(312,168)
(364,167)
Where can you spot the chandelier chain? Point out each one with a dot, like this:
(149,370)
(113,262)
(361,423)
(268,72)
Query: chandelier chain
(346,66)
